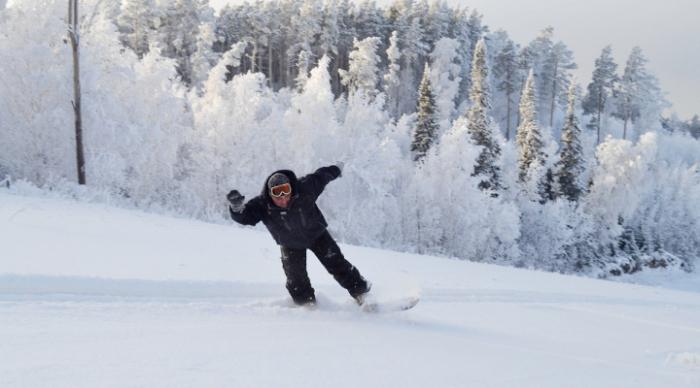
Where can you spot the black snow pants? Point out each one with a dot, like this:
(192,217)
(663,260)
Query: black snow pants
(328,253)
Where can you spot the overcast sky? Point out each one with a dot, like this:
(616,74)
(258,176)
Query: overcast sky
(668,32)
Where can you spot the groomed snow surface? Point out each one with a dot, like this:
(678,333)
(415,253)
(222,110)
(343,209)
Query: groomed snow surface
(96,296)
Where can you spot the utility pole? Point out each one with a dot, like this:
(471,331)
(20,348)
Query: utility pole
(74,36)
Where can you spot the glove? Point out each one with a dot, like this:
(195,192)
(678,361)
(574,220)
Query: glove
(236,200)
(340,166)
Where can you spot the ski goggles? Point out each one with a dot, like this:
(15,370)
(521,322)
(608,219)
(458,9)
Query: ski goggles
(281,190)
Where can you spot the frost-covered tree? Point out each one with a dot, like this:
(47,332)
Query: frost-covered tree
(346,33)
(642,203)
(571,162)
(304,25)
(479,123)
(639,98)
(468,30)
(552,63)
(413,53)
(426,125)
(311,119)
(694,126)
(303,65)
(204,58)
(438,23)
(529,137)
(444,77)
(443,205)
(600,91)
(534,56)
(505,71)
(557,72)
(178,32)
(361,76)
(392,81)
(330,33)
(136,23)
(369,20)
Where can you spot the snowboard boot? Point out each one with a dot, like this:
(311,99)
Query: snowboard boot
(364,297)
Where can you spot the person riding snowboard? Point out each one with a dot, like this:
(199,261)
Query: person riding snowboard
(287,207)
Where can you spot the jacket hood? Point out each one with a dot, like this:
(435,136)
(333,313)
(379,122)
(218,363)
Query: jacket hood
(293,181)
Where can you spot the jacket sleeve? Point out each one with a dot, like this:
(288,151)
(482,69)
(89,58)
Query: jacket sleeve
(251,214)
(316,182)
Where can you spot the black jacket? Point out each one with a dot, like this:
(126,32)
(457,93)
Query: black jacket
(301,223)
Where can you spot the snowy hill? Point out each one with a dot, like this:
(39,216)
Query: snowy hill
(94,296)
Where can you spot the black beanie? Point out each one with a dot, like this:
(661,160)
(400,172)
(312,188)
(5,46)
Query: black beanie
(277,179)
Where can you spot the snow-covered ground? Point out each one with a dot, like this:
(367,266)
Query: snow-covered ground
(95,296)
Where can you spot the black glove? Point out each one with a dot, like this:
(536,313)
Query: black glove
(340,166)
(236,200)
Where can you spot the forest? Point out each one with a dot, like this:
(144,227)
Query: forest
(457,140)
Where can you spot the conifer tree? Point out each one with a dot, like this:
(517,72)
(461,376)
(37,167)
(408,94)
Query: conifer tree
(392,82)
(439,20)
(557,71)
(694,126)
(178,35)
(468,30)
(506,70)
(444,74)
(426,125)
(600,90)
(638,93)
(479,123)
(571,162)
(552,63)
(361,76)
(529,137)
(370,20)
(136,23)
(413,52)
(303,66)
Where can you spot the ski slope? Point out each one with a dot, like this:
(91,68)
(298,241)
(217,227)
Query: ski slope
(96,296)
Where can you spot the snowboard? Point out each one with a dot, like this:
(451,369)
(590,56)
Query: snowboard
(390,305)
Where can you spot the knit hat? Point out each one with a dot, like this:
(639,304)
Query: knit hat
(277,179)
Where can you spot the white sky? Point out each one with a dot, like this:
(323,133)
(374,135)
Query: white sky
(667,31)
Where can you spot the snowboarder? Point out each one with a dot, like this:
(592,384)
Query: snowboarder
(287,207)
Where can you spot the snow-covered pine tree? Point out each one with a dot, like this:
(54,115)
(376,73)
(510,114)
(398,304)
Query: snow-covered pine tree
(529,137)
(694,126)
(204,58)
(557,71)
(329,35)
(535,56)
(600,91)
(638,95)
(136,23)
(304,26)
(392,82)
(426,123)
(571,162)
(361,76)
(413,54)
(369,20)
(479,124)
(505,71)
(329,38)
(552,64)
(303,65)
(467,30)
(444,77)
(178,32)
(346,29)
(258,34)
(440,17)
